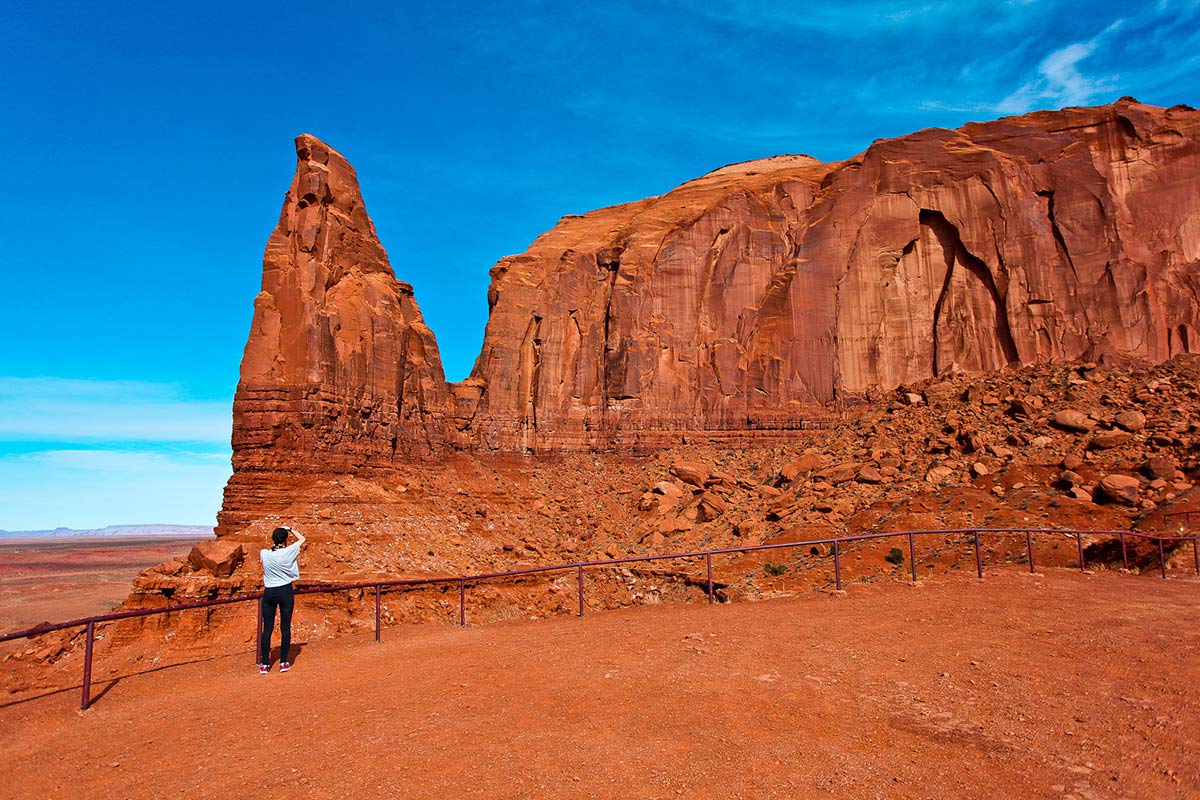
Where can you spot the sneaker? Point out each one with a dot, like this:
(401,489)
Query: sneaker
(284,666)
(264,669)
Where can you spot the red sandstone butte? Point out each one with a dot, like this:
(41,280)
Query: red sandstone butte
(339,362)
(736,306)
(743,298)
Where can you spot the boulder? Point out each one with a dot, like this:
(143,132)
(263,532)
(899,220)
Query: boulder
(839,473)
(1106,440)
(1119,488)
(1158,467)
(781,506)
(219,558)
(869,475)
(747,528)
(1070,478)
(970,440)
(719,478)
(711,506)
(1023,407)
(801,465)
(1131,420)
(936,392)
(939,475)
(674,524)
(1072,421)
(692,472)
(667,488)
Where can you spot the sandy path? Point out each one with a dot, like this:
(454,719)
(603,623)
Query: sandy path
(1063,685)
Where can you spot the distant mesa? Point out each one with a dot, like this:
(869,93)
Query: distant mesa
(742,306)
(164,531)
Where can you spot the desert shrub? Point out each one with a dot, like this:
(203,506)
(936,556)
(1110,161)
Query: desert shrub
(894,556)
(774,570)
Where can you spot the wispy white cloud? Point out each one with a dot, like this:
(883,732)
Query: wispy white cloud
(71,410)
(1148,48)
(1060,80)
(103,460)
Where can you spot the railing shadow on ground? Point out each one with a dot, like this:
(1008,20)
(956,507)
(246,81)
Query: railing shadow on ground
(834,543)
(113,680)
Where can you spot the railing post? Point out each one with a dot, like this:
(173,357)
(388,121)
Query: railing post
(912,556)
(87,667)
(579,582)
(1196,555)
(978,557)
(837,565)
(1124,552)
(1029,549)
(1079,544)
(462,602)
(708,563)
(1162,560)
(377,612)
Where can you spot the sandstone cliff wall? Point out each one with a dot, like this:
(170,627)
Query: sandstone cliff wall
(737,307)
(340,371)
(749,297)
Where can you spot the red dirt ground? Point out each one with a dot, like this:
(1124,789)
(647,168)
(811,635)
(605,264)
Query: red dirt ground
(1063,685)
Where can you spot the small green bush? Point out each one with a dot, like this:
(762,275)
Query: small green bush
(774,570)
(895,556)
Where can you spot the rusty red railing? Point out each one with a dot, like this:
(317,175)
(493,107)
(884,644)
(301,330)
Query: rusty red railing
(1186,516)
(835,543)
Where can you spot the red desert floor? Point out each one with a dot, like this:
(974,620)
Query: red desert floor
(59,579)
(1063,685)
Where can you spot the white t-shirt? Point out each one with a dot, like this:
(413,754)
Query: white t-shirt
(279,566)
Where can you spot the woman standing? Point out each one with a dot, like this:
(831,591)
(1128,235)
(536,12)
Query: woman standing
(279,571)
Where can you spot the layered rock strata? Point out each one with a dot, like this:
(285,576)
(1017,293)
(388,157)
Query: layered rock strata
(745,304)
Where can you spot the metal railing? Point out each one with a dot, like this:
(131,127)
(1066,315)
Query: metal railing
(578,567)
(1186,516)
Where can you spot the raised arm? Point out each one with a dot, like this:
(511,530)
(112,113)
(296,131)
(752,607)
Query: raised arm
(299,536)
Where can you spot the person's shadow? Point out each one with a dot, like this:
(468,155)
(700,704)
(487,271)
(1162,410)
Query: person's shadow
(297,648)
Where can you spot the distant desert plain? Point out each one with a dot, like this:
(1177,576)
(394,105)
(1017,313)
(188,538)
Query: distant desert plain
(55,575)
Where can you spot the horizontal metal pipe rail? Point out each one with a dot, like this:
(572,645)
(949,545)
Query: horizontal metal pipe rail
(835,544)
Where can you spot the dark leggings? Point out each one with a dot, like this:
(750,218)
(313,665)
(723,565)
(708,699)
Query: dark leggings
(280,597)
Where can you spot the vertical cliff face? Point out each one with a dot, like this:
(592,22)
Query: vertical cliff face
(633,322)
(750,298)
(340,371)
(736,307)
(1049,237)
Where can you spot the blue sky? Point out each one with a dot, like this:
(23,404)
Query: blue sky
(149,147)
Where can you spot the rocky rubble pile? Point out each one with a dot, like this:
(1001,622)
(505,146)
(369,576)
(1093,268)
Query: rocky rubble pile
(1063,446)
